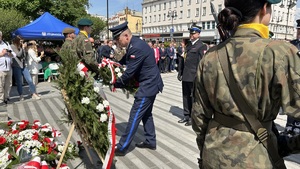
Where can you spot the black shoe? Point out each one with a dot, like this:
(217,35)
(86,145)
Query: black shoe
(119,153)
(188,123)
(183,120)
(145,145)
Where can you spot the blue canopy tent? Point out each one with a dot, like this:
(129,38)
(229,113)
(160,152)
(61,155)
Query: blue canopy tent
(46,27)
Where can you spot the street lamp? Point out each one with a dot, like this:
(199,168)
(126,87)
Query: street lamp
(290,4)
(172,14)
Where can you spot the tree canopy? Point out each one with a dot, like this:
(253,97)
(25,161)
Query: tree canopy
(18,13)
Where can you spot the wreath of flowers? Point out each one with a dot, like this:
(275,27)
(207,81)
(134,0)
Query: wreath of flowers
(21,141)
(110,71)
(87,107)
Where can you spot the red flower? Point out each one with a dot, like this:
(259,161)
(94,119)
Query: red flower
(35,136)
(35,121)
(46,139)
(35,127)
(9,122)
(2,140)
(25,122)
(79,143)
(15,132)
(49,150)
(16,142)
(23,126)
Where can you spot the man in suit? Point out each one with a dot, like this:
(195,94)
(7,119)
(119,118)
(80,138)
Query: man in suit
(194,53)
(141,66)
(170,57)
(162,59)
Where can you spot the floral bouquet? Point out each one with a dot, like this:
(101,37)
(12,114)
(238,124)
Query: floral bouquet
(21,141)
(110,71)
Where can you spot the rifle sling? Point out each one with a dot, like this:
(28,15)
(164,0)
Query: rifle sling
(255,126)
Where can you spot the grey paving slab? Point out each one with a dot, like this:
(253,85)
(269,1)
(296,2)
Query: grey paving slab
(176,146)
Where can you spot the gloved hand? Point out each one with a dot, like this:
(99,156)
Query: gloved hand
(179,77)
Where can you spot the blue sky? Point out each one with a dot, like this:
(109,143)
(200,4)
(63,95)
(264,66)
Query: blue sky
(99,6)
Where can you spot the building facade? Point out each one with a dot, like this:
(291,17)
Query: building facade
(170,19)
(134,19)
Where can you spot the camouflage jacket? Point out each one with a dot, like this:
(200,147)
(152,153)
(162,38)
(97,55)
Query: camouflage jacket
(84,49)
(268,73)
(66,45)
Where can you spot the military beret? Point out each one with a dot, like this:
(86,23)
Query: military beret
(85,22)
(195,29)
(273,1)
(298,23)
(68,30)
(117,30)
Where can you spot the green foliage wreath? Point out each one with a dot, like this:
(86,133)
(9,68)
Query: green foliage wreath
(85,105)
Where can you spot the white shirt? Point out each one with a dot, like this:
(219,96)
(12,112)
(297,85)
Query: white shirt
(5,61)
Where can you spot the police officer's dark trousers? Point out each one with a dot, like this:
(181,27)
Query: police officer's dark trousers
(187,98)
(141,110)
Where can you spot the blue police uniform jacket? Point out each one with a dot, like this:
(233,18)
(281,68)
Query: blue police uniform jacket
(140,64)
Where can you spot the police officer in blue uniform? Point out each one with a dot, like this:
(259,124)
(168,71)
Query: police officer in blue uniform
(140,64)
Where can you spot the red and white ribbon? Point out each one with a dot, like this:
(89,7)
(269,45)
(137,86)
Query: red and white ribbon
(82,67)
(112,139)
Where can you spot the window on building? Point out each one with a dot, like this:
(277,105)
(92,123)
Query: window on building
(219,8)
(154,18)
(145,9)
(158,19)
(154,8)
(159,7)
(180,14)
(145,19)
(197,1)
(213,25)
(189,2)
(165,6)
(203,25)
(149,19)
(181,2)
(197,12)
(188,15)
(208,25)
(204,0)
(170,5)
(164,17)
(204,11)
(175,3)
(150,9)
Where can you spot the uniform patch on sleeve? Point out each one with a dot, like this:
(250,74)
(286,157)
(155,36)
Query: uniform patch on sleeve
(132,56)
(86,40)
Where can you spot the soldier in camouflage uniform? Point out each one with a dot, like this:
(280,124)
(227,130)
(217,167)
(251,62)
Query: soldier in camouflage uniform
(69,34)
(268,74)
(82,47)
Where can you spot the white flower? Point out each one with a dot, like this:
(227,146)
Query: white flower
(105,103)
(117,70)
(2,132)
(60,148)
(103,117)
(81,73)
(119,74)
(96,89)
(100,107)
(85,100)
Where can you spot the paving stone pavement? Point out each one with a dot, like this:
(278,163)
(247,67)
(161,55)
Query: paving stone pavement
(176,146)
